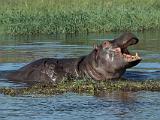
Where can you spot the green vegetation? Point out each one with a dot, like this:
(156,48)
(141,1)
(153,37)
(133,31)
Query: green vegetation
(75,16)
(81,86)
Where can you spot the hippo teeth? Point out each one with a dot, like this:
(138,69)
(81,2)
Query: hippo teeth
(130,58)
(137,56)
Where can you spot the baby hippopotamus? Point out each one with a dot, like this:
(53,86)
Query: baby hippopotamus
(106,61)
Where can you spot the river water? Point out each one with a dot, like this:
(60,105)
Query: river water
(16,51)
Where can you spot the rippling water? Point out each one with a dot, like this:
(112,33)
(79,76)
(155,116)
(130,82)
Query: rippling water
(16,51)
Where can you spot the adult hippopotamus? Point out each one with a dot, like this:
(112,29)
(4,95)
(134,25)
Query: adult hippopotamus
(108,60)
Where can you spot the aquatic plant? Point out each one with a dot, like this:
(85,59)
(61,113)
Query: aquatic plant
(78,16)
(82,86)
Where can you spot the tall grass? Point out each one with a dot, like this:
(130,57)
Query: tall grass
(78,16)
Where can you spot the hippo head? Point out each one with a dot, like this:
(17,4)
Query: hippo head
(112,58)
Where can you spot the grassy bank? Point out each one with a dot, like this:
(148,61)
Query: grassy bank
(81,86)
(78,16)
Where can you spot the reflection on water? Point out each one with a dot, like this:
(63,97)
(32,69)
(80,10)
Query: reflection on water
(16,51)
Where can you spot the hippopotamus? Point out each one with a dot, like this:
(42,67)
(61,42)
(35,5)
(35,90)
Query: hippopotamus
(106,61)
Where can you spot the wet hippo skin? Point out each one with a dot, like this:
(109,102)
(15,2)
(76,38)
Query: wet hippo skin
(109,60)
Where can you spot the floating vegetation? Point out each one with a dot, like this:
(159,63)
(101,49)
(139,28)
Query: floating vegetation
(81,86)
(78,16)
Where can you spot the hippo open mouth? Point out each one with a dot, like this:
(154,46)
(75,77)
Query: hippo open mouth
(128,56)
(123,42)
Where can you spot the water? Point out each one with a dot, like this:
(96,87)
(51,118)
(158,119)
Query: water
(16,51)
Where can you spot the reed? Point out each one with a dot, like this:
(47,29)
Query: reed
(78,16)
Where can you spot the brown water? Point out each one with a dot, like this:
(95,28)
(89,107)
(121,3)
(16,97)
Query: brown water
(16,51)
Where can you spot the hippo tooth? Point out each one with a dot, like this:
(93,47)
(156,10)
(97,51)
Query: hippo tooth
(136,54)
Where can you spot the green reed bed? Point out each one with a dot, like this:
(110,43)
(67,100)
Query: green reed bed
(81,86)
(78,16)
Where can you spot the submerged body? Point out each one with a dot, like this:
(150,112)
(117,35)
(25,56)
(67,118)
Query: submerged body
(107,61)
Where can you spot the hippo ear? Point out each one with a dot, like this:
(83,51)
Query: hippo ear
(45,64)
(95,46)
